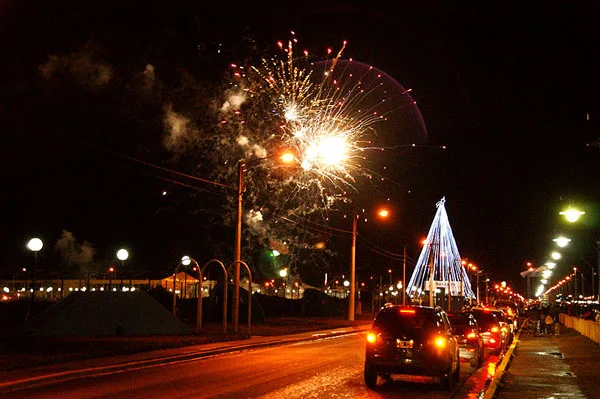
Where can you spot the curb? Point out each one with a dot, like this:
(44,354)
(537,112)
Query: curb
(231,346)
(500,370)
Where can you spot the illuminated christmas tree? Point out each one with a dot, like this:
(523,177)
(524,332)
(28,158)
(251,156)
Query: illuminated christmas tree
(440,255)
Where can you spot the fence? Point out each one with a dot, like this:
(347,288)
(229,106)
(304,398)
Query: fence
(588,328)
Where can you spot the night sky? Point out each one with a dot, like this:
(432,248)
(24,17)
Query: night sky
(509,90)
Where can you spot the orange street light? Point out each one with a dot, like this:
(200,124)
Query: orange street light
(384,213)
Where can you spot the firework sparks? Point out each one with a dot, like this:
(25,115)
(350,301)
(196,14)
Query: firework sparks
(327,112)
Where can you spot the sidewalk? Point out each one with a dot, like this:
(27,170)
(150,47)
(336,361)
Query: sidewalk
(561,366)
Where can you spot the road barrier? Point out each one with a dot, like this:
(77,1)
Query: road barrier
(588,328)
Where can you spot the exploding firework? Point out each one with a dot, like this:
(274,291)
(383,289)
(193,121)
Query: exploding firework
(327,112)
(338,116)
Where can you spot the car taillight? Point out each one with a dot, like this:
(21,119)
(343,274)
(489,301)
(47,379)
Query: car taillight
(494,329)
(471,335)
(371,338)
(439,342)
(492,341)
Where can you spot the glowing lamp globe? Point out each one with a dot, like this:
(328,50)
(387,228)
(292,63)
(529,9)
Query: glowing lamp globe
(35,244)
(122,254)
(186,260)
(562,241)
(572,215)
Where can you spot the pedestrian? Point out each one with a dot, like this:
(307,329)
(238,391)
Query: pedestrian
(534,319)
(549,324)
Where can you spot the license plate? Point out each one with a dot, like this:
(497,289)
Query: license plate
(404,344)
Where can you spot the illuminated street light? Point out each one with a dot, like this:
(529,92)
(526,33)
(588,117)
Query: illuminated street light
(286,158)
(556,255)
(122,255)
(382,213)
(283,273)
(562,241)
(35,245)
(572,215)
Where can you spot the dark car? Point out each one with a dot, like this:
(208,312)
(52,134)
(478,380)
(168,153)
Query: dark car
(494,336)
(506,325)
(411,340)
(468,335)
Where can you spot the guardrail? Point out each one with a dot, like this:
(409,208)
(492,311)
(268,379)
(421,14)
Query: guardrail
(588,328)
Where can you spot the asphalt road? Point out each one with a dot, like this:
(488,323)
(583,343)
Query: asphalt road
(325,368)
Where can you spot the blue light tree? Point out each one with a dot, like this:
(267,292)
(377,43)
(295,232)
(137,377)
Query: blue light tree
(440,255)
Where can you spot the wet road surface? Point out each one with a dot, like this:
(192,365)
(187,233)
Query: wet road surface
(327,368)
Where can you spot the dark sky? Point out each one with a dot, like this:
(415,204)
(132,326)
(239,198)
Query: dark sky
(509,89)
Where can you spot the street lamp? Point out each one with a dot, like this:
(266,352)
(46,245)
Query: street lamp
(382,213)
(286,158)
(571,214)
(562,241)
(34,245)
(122,255)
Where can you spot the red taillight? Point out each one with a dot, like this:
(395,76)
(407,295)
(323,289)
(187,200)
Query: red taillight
(410,311)
(439,342)
(371,338)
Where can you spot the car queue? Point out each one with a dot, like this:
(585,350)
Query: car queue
(428,341)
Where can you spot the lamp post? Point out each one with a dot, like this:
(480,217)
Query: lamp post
(122,255)
(382,213)
(286,158)
(572,215)
(34,245)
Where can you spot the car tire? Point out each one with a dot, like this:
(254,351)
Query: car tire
(474,362)
(446,380)
(370,378)
(456,375)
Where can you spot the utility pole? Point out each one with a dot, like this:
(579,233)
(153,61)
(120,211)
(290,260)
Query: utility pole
(431,291)
(353,268)
(404,276)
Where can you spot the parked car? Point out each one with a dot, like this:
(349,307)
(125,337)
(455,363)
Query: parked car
(470,340)
(411,340)
(494,337)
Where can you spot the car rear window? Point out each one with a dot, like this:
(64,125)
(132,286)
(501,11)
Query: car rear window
(396,322)
(460,320)
(485,318)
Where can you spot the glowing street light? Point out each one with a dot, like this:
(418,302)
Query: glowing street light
(286,158)
(571,214)
(562,241)
(35,245)
(122,255)
(382,213)
(556,255)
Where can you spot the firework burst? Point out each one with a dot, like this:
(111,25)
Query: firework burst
(325,111)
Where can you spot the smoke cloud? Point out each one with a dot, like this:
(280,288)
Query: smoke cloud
(84,67)
(73,253)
